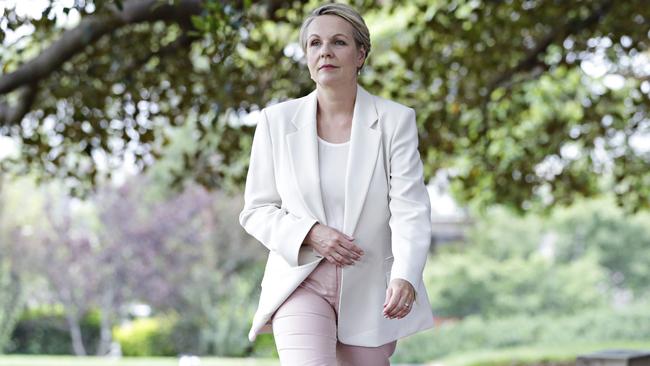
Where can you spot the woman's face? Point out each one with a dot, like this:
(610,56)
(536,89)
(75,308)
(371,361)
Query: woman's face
(330,42)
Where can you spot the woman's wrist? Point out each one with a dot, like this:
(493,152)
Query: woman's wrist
(308,238)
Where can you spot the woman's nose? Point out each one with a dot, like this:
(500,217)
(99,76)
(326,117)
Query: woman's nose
(325,50)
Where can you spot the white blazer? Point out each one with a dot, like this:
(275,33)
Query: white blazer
(387,211)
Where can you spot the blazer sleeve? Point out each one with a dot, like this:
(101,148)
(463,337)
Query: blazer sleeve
(409,204)
(263,216)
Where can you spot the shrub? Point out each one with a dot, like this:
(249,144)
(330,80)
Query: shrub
(471,283)
(44,330)
(147,336)
(264,346)
(476,333)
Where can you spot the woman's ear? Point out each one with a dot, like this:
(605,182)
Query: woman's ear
(362,55)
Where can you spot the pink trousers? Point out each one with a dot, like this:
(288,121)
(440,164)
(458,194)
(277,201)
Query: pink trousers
(304,326)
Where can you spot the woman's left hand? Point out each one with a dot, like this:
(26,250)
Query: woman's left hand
(400,295)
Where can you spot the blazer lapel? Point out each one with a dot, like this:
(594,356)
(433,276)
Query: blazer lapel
(303,151)
(364,148)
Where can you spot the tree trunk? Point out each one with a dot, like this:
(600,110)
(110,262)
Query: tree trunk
(75,333)
(11,304)
(105,335)
(11,289)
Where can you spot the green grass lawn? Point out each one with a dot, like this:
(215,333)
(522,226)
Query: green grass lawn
(12,360)
(560,354)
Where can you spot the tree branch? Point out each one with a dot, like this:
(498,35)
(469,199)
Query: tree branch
(11,115)
(73,41)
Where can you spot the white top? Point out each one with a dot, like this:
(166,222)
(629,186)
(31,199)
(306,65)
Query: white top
(332,162)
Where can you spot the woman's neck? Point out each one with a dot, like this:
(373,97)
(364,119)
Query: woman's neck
(336,102)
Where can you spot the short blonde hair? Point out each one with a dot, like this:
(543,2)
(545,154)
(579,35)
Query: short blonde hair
(359,29)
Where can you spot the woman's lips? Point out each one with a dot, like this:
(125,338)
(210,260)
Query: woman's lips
(328,67)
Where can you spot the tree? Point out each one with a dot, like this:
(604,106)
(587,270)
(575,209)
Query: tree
(506,105)
(619,241)
(180,253)
(63,250)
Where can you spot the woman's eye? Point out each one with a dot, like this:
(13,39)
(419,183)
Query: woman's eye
(338,42)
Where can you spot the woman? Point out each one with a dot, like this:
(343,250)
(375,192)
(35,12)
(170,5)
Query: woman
(335,191)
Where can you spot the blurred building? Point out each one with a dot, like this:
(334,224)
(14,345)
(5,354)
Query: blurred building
(449,221)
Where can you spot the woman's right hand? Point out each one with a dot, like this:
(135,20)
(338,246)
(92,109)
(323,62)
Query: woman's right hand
(333,245)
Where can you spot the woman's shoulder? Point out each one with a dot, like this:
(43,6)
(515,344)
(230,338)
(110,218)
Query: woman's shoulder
(390,107)
(286,107)
(279,116)
(392,115)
